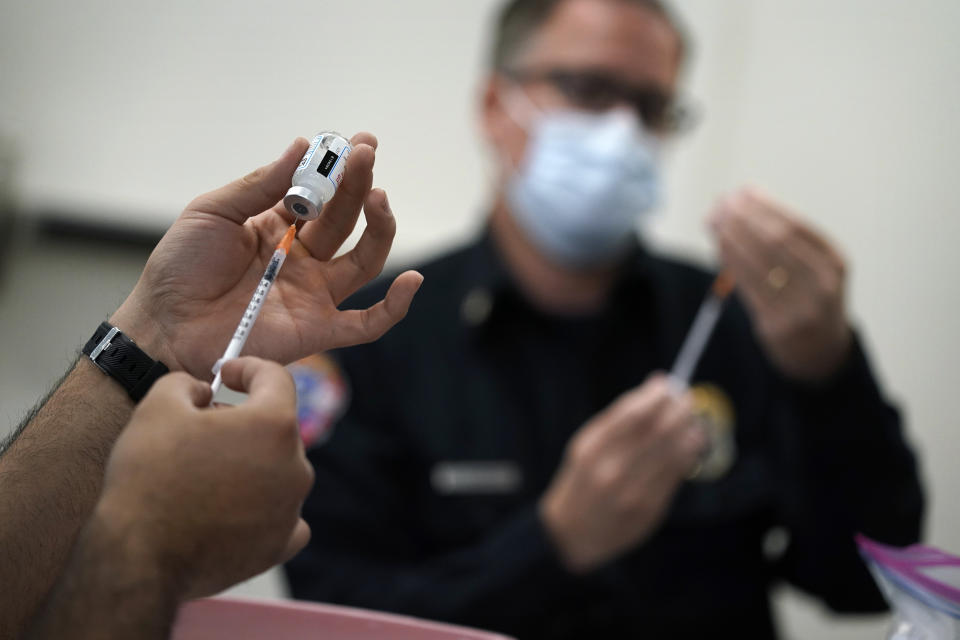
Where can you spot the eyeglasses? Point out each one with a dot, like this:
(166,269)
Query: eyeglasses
(599,91)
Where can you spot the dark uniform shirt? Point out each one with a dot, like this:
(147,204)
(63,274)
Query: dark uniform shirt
(475,374)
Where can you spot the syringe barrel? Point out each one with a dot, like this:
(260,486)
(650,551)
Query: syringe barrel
(252,311)
(259,296)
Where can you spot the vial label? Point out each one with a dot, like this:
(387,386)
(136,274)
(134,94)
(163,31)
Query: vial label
(336,171)
(327,163)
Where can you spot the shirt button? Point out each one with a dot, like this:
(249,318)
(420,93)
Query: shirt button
(476,307)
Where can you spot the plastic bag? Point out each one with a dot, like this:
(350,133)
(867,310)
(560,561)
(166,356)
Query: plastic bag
(922,585)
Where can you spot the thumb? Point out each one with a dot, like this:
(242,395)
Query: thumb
(255,192)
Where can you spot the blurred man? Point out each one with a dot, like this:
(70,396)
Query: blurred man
(512,460)
(158,520)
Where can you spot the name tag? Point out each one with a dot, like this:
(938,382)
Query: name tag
(476,477)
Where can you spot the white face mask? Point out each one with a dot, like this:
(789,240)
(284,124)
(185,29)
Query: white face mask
(586,181)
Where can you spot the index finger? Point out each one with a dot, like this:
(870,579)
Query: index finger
(179,388)
(268,385)
(776,218)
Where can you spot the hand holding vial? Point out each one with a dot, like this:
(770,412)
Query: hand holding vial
(199,279)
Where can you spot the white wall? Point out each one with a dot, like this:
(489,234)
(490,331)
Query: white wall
(126,110)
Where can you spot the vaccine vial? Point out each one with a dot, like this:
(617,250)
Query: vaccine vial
(318,175)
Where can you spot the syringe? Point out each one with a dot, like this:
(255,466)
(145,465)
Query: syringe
(696,340)
(256,302)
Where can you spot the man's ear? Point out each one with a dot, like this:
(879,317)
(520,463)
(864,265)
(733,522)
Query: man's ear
(490,112)
(498,128)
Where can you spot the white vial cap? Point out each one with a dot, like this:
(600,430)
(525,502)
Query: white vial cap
(303,203)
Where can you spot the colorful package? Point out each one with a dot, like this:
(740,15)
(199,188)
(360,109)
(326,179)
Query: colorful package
(922,585)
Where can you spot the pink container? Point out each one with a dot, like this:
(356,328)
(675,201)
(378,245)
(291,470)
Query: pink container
(245,619)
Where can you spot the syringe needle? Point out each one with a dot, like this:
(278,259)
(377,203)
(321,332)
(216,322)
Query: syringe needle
(253,308)
(700,331)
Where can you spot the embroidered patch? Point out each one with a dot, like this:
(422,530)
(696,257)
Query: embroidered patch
(321,396)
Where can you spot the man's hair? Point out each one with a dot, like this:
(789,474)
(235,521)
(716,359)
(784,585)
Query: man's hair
(520,19)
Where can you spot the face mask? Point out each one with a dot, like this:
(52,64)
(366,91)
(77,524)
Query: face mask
(586,181)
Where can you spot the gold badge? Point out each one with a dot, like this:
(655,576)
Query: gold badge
(715,411)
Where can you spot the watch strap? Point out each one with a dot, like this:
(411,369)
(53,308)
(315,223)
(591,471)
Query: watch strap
(119,357)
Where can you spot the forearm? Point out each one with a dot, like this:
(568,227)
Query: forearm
(110,588)
(50,477)
(51,474)
(856,460)
(851,472)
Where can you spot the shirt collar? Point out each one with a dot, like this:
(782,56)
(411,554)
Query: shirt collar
(491,288)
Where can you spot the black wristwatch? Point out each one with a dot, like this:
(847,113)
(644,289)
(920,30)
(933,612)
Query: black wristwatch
(120,358)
